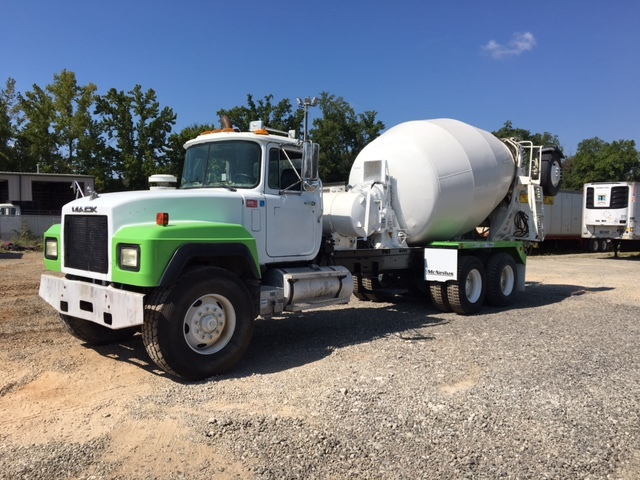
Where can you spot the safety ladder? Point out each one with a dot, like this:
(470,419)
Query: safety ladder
(536,204)
(529,164)
(532,179)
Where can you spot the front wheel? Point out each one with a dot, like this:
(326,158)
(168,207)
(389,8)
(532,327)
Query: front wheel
(466,294)
(94,334)
(200,326)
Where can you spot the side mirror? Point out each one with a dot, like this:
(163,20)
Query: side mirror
(310,161)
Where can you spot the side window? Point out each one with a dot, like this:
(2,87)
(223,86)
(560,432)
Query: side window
(274,168)
(284,169)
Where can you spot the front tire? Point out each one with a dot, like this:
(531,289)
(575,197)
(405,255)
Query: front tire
(201,325)
(94,334)
(466,294)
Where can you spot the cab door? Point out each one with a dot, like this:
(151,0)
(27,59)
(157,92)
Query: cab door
(294,217)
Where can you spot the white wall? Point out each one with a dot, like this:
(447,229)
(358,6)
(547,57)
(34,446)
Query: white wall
(11,226)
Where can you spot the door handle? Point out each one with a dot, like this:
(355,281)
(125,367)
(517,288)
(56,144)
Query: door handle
(313,204)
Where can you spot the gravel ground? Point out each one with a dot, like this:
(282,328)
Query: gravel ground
(549,389)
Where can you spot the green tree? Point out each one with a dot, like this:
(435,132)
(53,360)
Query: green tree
(8,100)
(341,134)
(60,134)
(175,149)
(279,116)
(36,138)
(509,131)
(600,161)
(136,130)
(73,126)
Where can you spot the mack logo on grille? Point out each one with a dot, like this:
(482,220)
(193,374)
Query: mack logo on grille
(85,209)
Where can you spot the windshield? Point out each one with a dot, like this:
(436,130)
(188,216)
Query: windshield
(229,164)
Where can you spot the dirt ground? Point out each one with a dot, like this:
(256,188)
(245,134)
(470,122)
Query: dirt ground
(52,388)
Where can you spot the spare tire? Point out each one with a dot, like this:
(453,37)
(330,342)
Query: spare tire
(551,170)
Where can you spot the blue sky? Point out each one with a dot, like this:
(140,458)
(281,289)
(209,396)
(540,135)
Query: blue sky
(571,68)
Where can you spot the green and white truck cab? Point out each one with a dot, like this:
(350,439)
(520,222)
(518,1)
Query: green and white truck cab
(250,204)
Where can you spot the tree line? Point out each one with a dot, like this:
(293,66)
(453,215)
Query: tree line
(123,137)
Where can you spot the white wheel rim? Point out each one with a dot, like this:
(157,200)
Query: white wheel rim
(209,324)
(507,280)
(473,286)
(556,173)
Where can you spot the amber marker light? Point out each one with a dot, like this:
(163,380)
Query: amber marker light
(162,219)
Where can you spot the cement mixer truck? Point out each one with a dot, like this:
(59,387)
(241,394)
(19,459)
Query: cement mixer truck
(435,207)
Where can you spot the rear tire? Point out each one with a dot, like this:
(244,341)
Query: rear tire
(94,334)
(201,325)
(603,245)
(592,245)
(373,290)
(502,280)
(438,295)
(358,288)
(466,294)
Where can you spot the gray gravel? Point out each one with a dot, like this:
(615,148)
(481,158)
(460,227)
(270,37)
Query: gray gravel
(549,389)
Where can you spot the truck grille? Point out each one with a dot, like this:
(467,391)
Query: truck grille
(86,243)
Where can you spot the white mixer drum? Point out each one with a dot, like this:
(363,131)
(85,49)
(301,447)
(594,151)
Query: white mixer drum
(446,176)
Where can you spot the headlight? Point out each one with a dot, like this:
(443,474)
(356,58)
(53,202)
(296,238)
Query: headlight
(129,257)
(51,248)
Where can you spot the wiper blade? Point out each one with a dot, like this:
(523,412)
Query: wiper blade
(222,185)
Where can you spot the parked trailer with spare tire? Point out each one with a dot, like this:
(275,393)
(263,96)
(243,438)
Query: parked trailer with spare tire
(431,207)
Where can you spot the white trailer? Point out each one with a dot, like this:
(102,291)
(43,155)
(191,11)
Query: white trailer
(563,224)
(610,210)
(563,216)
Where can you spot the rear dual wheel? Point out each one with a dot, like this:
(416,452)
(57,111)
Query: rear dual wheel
(438,296)
(466,294)
(502,280)
(497,285)
(369,288)
(594,245)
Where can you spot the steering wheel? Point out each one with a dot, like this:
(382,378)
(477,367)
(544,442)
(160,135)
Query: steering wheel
(242,178)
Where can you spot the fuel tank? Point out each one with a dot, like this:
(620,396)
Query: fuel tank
(311,287)
(446,176)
